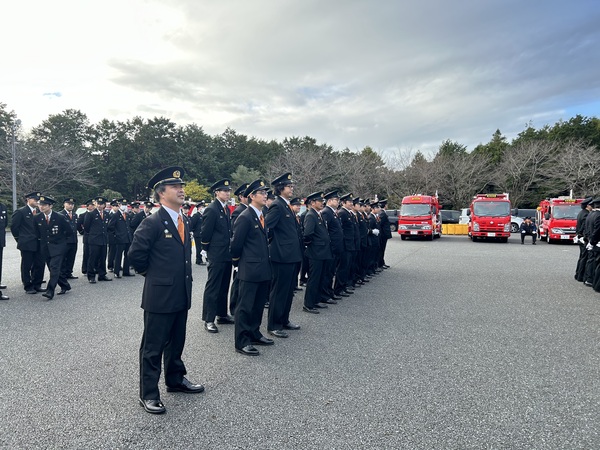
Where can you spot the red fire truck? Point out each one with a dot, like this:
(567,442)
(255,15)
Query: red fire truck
(557,218)
(420,217)
(490,217)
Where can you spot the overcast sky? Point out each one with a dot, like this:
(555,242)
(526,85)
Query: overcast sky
(403,74)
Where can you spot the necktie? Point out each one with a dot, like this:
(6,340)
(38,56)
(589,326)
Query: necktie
(262,220)
(34,212)
(124,216)
(101,217)
(47,219)
(70,216)
(181,228)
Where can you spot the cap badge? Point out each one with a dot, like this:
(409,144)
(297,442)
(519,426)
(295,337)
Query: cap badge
(176,174)
(226,183)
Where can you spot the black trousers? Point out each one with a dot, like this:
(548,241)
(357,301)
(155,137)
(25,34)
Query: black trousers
(96,261)
(86,257)
(249,311)
(581,262)
(57,276)
(32,269)
(330,269)
(382,246)
(281,295)
(1,251)
(342,279)
(216,290)
(198,245)
(112,249)
(304,268)
(164,335)
(121,260)
(590,267)
(533,236)
(234,293)
(69,260)
(316,280)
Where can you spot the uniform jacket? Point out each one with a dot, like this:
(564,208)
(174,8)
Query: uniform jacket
(23,229)
(196,224)
(594,222)
(334,227)
(357,245)
(363,228)
(374,224)
(250,249)
(346,218)
(72,239)
(53,236)
(118,226)
(216,232)
(96,227)
(3,224)
(283,233)
(529,229)
(384,224)
(136,219)
(316,237)
(236,212)
(159,255)
(581,222)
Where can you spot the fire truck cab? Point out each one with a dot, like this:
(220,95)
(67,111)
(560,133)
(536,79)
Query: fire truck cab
(420,216)
(490,217)
(557,219)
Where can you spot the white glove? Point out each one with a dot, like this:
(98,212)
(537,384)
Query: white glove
(576,240)
(203,254)
(376,232)
(523,231)
(589,247)
(235,269)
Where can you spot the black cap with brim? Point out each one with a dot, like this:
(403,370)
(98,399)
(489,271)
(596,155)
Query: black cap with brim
(356,200)
(346,198)
(296,201)
(596,202)
(149,204)
(332,194)
(241,189)
(89,201)
(586,201)
(256,185)
(221,185)
(114,202)
(315,196)
(170,175)
(284,179)
(35,195)
(101,200)
(45,200)
(135,204)
(69,200)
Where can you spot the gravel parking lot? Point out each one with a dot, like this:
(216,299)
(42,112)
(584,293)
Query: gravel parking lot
(457,345)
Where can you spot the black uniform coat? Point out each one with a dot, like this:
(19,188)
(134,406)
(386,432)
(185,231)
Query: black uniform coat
(283,233)
(96,227)
(249,248)
(23,230)
(119,227)
(158,254)
(316,237)
(373,225)
(53,236)
(236,213)
(346,218)
(196,225)
(384,224)
(334,226)
(216,232)
(3,225)
(72,239)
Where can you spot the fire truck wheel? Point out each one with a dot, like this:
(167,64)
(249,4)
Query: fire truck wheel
(402,237)
(474,238)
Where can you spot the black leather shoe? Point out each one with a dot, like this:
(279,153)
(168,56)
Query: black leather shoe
(104,278)
(116,276)
(385,266)
(264,341)
(310,310)
(72,277)
(225,320)
(211,327)
(31,291)
(298,289)
(153,406)
(3,286)
(3,297)
(291,326)
(187,387)
(366,280)
(201,263)
(330,301)
(337,297)
(350,288)
(92,281)
(343,294)
(64,291)
(40,289)
(48,294)
(266,305)
(320,306)
(587,283)
(248,350)
(278,333)
(347,292)
(302,283)
(129,274)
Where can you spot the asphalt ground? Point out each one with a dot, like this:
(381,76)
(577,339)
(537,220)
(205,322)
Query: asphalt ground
(457,345)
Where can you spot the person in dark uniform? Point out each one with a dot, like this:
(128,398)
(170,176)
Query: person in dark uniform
(3,225)
(135,210)
(112,241)
(336,236)
(90,205)
(305,262)
(119,227)
(528,228)
(250,257)
(592,234)
(373,233)
(161,251)
(579,239)
(243,205)
(23,230)
(53,231)
(363,243)
(296,204)
(595,243)
(386,234)
(216,236)
(342,279)
(285,252)
(318,250)
(96,225)
(71,252)
(196,224)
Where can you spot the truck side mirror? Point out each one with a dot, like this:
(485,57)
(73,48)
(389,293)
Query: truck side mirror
(547,216)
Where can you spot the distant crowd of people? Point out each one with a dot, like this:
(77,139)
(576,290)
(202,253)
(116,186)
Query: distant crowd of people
(588,237)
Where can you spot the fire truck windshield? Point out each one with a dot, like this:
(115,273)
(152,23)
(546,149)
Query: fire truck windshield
(491,209)
(415,209)
(566,211)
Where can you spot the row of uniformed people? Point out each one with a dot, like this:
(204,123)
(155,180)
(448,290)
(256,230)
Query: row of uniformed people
(344,247)
(588,238)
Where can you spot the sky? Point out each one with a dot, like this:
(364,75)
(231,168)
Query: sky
(389,74)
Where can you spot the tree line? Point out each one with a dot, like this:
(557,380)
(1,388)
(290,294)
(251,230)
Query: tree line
(66,155)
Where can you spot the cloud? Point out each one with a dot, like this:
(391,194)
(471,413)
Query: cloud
(52,94)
